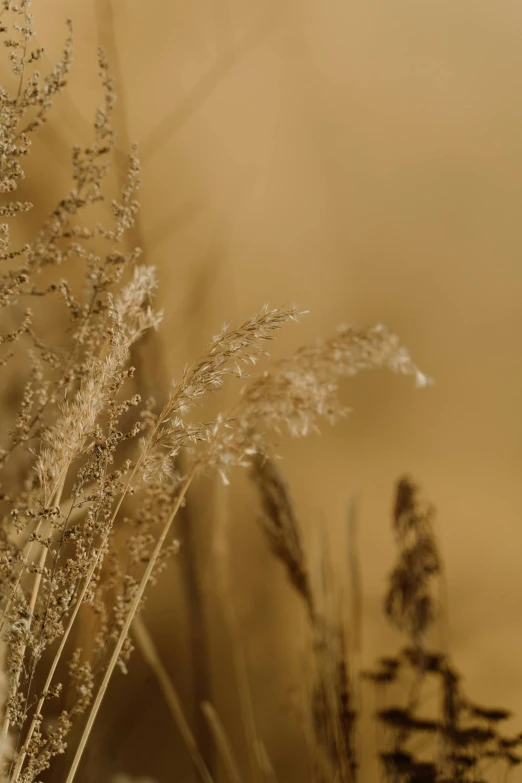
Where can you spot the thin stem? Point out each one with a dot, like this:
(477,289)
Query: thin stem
(197,635)
(222,742)
(150,654)
(125,630)
(240,672)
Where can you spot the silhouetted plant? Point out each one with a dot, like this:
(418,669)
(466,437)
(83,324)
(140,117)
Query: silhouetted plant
(464,735)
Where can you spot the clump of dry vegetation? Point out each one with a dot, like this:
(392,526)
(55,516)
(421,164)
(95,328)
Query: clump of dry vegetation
(91,471)
(93,477)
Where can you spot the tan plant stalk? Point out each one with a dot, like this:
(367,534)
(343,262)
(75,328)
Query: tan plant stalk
(247,707)
(126,626)
(198,630)
(222,742)
(222,580)
(150,654)
(265,763)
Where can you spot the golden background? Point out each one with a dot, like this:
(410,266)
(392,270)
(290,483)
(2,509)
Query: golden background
(363,159)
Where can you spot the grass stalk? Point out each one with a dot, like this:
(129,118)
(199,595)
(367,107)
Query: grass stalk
(222,742)
(150,654)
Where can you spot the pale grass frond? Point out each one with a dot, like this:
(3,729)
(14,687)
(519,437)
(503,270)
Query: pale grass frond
(296,392)
(227,354)
(66,440)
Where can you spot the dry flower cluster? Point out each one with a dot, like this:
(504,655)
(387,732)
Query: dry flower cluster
(91,470)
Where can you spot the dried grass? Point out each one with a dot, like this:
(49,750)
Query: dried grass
(90,470)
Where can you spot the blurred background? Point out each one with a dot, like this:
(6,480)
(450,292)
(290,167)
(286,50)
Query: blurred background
(362,159)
